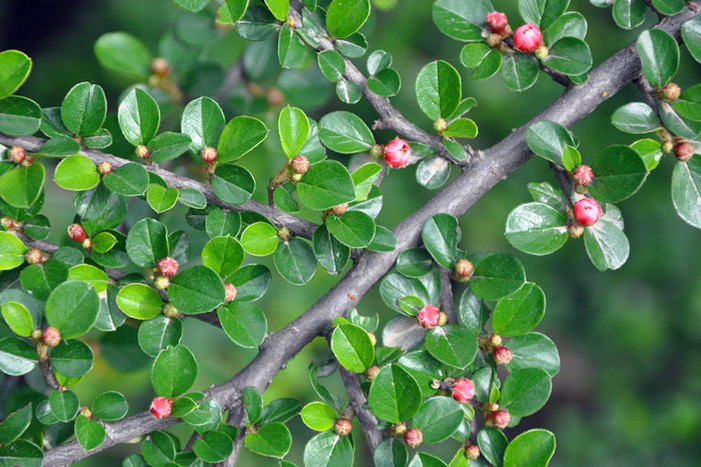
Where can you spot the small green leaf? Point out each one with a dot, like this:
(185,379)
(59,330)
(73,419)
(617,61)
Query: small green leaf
(345,133)
(331,253)
(290,48)
(319,416)
(272,440)
(139,301)
(19,116)
(438,89)
(542,13)
(460,20)
(239,137)
(76,173)
(168,146)
(17,356)
(244,323)
(160,198)
(691,34)
(203,121)
(496,276)
(233,184)
(147,243)
(213,446)
(110,406)
(352,347)
(123,53)
(629,14)
(139,117)
(174,371)
(295,261)
(686,190)
(64,405)
(519,312)
(659,56)
(15,423)
(158,333)
(260,239)
(332,65)
(72,308)
(253,402)
(354,228)
(18,318)
(89,433)
(534,448)
(325,185)
(293,127)
(128,180)
(570,56)
(534,350)
(22,187)
(636,118)
(438,419)
(279,8)
(619,172)
(15,66)
(327,449)
(72,358)
(344,17)
(440,235)
(84,109)
(394,395)
(607,246)
(519,71)
(536,228)
(196,290)
(453,345)
(548,140)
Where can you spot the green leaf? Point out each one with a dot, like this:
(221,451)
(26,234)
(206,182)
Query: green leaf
(525,391)
(272,440)
(139,117)
(452,344)
(213,446)
(492,444)
(23,453)
(659,56)
(384,240)
(72,308)
(11,251)
(279,8)
(17,357)
(239,137)
(223,254)
(460,20)
(203,121)
(174,371)
(158,448)
(192,5)
(18,318)
(440,235)
(438,89)
(15,66)
(280,410)
(354,228)
(386,83)
(244,323)
(686,190)
(691,35)
(60,146)
(253,403)
(251,282)
(89,433)
(19,116)
(570,56)
(571,158)
(99,140)
(295,261)
(570,24)
(328,449)
(160,198)
(363,179)
(128,180)
(332,65)
(619,172)
(331,253)
(260,239)
(394,395)
(438,419)
(536,228)
(414,262)
(291,51)
(636,118)
(293,127)
(519,312)
(606,244)
(497,275)
(344,17)
(534,350)
(352,347)
(391,452)
(689,103)
(534,448)
(345,133)
(100,209)
(196,290)
(64,405)
(548,140)
(325,185)
(235,9)
(629,14)
(650,151)
(168,146)
(319,416)
(123,53)
(461,128)
(147,243)
(72,358)
(421,459)
(16,422)
(139,301)
(84,109)
(76,173)
(158,333)
(519,71)
(542,13)
(110,406)
(21,187)
(103,242)
(90,274)
(677,124)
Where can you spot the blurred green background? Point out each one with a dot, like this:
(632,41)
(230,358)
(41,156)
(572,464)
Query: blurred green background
(630,340)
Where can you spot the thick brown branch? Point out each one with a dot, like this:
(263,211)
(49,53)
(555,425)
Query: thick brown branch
(484,173)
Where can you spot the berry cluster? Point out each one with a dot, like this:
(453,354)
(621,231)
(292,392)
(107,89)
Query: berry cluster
(527,38)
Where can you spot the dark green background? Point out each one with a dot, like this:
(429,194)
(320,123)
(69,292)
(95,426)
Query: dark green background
(629,389)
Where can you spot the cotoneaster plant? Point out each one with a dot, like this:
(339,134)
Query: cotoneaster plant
(460,361)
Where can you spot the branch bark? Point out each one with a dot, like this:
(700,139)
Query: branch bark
(357,400)
(484,173)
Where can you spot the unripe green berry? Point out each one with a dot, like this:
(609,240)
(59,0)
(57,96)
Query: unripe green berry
(141,152)
(440,125)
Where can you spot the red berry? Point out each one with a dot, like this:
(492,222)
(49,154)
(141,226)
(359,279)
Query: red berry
(77,233)
(397,153)
(472,451)
(208,154)
(141,152)
(230,292)
(161,407)
(501,354)
(500,418)
(463,390)
(464,268)
(16,154)
(343,426)
(51,336)
(372,372)
(275,97)
(340,209)
(587,211)
(498,23)
(670,92)
(684,151)
(527,38)
(8,223)
(583,175)
(299,164)
(429,316)
(160,67)
(34,256)
(168,266)
(413,437)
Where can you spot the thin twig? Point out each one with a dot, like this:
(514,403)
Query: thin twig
(357,400)
(447,302)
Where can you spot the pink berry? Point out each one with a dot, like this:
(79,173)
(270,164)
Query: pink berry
(299,164)
(16,154)
(464,268)
(161,407)
(527,38)
(670,92)
(34,256)
(76,232)
(230,292)
(583,175)
(340,209)
(141,152)
(51,336)
(168,266)
(463,390)
(160,66)
(397,153)
(429,316)
(472,451)
(498,23)
(372,372)
(500,418)
(343,426)
(587,211)
(684,151)
(104,168)
(413,437)
(208,155)
(501,354)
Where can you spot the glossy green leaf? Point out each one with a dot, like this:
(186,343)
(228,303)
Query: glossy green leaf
(147,243)
(158,333)
(570,56)
(345,133)
(331,253)
(636,118)
(16,422)
(492,443)
(548,139)
(139,117)
(619,172)
(542,13)
(629,14)
(203,121)
(319,416)
(123,53)
(239,137)
(244,323)
(607,246)
(84,108)
(496,276)
(272,440)
(15,66)
(168,146)
(344,17)
(440,235)
(691,34)
(352,347)
(233,184)
(19,116)
(76,173)
(17,356)
(22,187)
(72,358)
(18,318)
(260,239)
(394,395)
(534,448)
(293,127)
(279,8)
(139,301)
(659,56)
(110,406)
(686,190)
(460,20)
(688,105)
(295,261)
(570,24)
(354,228)
(72,308)
(453,345)
(536,228)
(438,419)
(89,433)
(325,185)
(533,350)
(128,180)
(438,89)
(160,198)
(174,371)
(519,312)
(519,71)
(328,449)
(525,391)
(290,48)
(213,446)
(331,64)
(196,290)
(64,405)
